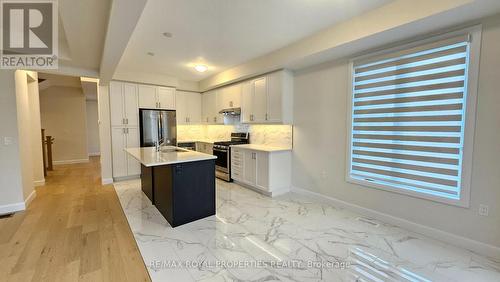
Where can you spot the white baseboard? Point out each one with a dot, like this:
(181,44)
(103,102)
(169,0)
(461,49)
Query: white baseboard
(95,154)
(21,206)
(106,181)
(6,209)
(125,178)
(39,182)
(77,161)
(30,198)
(459,241)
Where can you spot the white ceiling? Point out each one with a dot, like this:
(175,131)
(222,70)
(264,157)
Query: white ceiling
(225,33)
(82,30)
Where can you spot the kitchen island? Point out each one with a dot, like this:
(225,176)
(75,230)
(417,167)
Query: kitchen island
(179,182)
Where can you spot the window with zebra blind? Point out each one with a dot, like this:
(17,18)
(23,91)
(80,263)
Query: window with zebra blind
(412,118)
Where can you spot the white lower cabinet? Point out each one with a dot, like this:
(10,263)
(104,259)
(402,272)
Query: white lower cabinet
(123,164)
(133,166)
(266,172)
(249,164)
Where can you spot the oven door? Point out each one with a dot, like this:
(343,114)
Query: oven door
(221,163)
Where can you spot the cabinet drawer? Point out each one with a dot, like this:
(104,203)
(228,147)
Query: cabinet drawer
(236,163)
(236,155)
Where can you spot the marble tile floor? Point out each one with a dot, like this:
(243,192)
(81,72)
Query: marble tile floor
(289,238)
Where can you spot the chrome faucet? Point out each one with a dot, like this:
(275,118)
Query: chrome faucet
(159,142)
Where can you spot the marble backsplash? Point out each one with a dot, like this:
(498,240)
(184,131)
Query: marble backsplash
(270,135)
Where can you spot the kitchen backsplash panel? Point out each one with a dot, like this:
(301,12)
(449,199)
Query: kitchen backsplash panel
(218,132)
(190,132)
(270,135)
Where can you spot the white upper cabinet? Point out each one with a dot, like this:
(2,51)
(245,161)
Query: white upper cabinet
(210,114)
(147,97)
(116,104)
(229,97)
(259,100)
(246,102)
(123,103)
(188,107)
(268,99)
(155,97)
(166,98)
(130,103)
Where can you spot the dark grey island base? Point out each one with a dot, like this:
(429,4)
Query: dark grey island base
(182,192)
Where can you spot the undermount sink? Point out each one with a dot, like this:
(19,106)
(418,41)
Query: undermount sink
(172,149)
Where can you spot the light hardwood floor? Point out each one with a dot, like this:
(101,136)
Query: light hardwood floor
(74,230)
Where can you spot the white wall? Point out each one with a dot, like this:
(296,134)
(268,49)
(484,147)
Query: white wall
(319,156)
(24,130)
(11,191)
(92,112)
(63,116)
(35,131)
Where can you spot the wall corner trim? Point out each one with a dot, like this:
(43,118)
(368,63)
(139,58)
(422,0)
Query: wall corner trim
(106,181)
(448,238)
(30,198)
(40,182)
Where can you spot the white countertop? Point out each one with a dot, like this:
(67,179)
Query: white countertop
(264,148)
(149,157)
(198,140)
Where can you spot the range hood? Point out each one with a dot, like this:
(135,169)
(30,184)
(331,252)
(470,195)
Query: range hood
(231,111)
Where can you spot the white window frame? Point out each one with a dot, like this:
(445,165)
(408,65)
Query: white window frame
(470,117)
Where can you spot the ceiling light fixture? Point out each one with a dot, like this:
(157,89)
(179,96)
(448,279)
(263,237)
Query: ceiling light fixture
(150,54)
(167,34)
(201,68)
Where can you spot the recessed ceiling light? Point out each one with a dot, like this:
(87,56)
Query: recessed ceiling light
(150,54)
(167,34)
(201,68)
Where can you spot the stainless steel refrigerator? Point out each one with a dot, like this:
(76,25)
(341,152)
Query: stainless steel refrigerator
(157,125)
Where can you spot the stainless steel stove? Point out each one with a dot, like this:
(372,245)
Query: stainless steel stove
(223,153)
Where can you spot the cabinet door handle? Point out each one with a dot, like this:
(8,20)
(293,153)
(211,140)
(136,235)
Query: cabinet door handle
(266,116)
(123,130)
(230,103)
(215,119)
(123,121)
(159,104)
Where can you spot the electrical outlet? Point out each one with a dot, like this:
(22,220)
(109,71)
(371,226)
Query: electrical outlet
(483,210)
